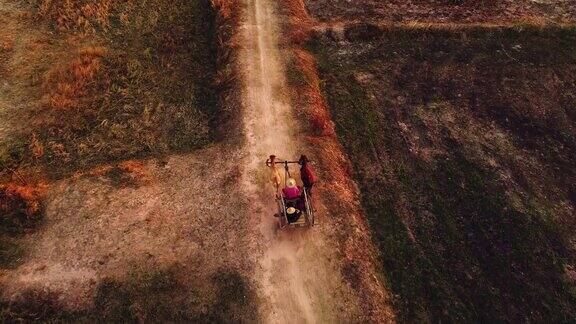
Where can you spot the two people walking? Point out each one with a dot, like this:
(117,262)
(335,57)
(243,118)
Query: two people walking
(307,174)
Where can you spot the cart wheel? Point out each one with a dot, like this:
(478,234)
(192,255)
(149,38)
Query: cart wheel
(309,210)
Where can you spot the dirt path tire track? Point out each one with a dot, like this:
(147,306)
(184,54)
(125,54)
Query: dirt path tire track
(300,271)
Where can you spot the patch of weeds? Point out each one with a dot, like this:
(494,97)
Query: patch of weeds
(295,76)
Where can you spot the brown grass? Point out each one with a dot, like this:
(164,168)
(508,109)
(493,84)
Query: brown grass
(6,45)
(317,111)
(70,14)
(227,41)
(36,147)
(134,167)
(300,23)
(102,98)
(75,85)
(129,173)
(20,205)
(227,9)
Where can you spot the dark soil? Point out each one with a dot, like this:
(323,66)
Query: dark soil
(443,11)
(462,143)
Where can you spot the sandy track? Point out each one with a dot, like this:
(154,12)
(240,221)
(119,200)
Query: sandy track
(299,274)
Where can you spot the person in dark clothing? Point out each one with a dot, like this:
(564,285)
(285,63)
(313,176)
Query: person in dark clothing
(307,174)
(293,214)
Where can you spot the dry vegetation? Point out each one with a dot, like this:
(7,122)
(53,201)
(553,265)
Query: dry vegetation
(88,89)
(92,82)
(461,142)
(108,80)
(460,132)
(338,191)
(444,11)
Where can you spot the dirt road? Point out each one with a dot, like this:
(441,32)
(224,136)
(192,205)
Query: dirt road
(299,275)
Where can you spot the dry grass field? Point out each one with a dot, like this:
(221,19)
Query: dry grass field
(86,83)
(461,141)
(444,11)
(445,133)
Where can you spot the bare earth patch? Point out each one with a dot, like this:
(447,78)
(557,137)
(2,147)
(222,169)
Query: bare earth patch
(184,216)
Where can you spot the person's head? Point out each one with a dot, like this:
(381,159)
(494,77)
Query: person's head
(291,183)
(291,210)
(304,159)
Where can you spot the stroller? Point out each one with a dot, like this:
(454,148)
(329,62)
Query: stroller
(293,212)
